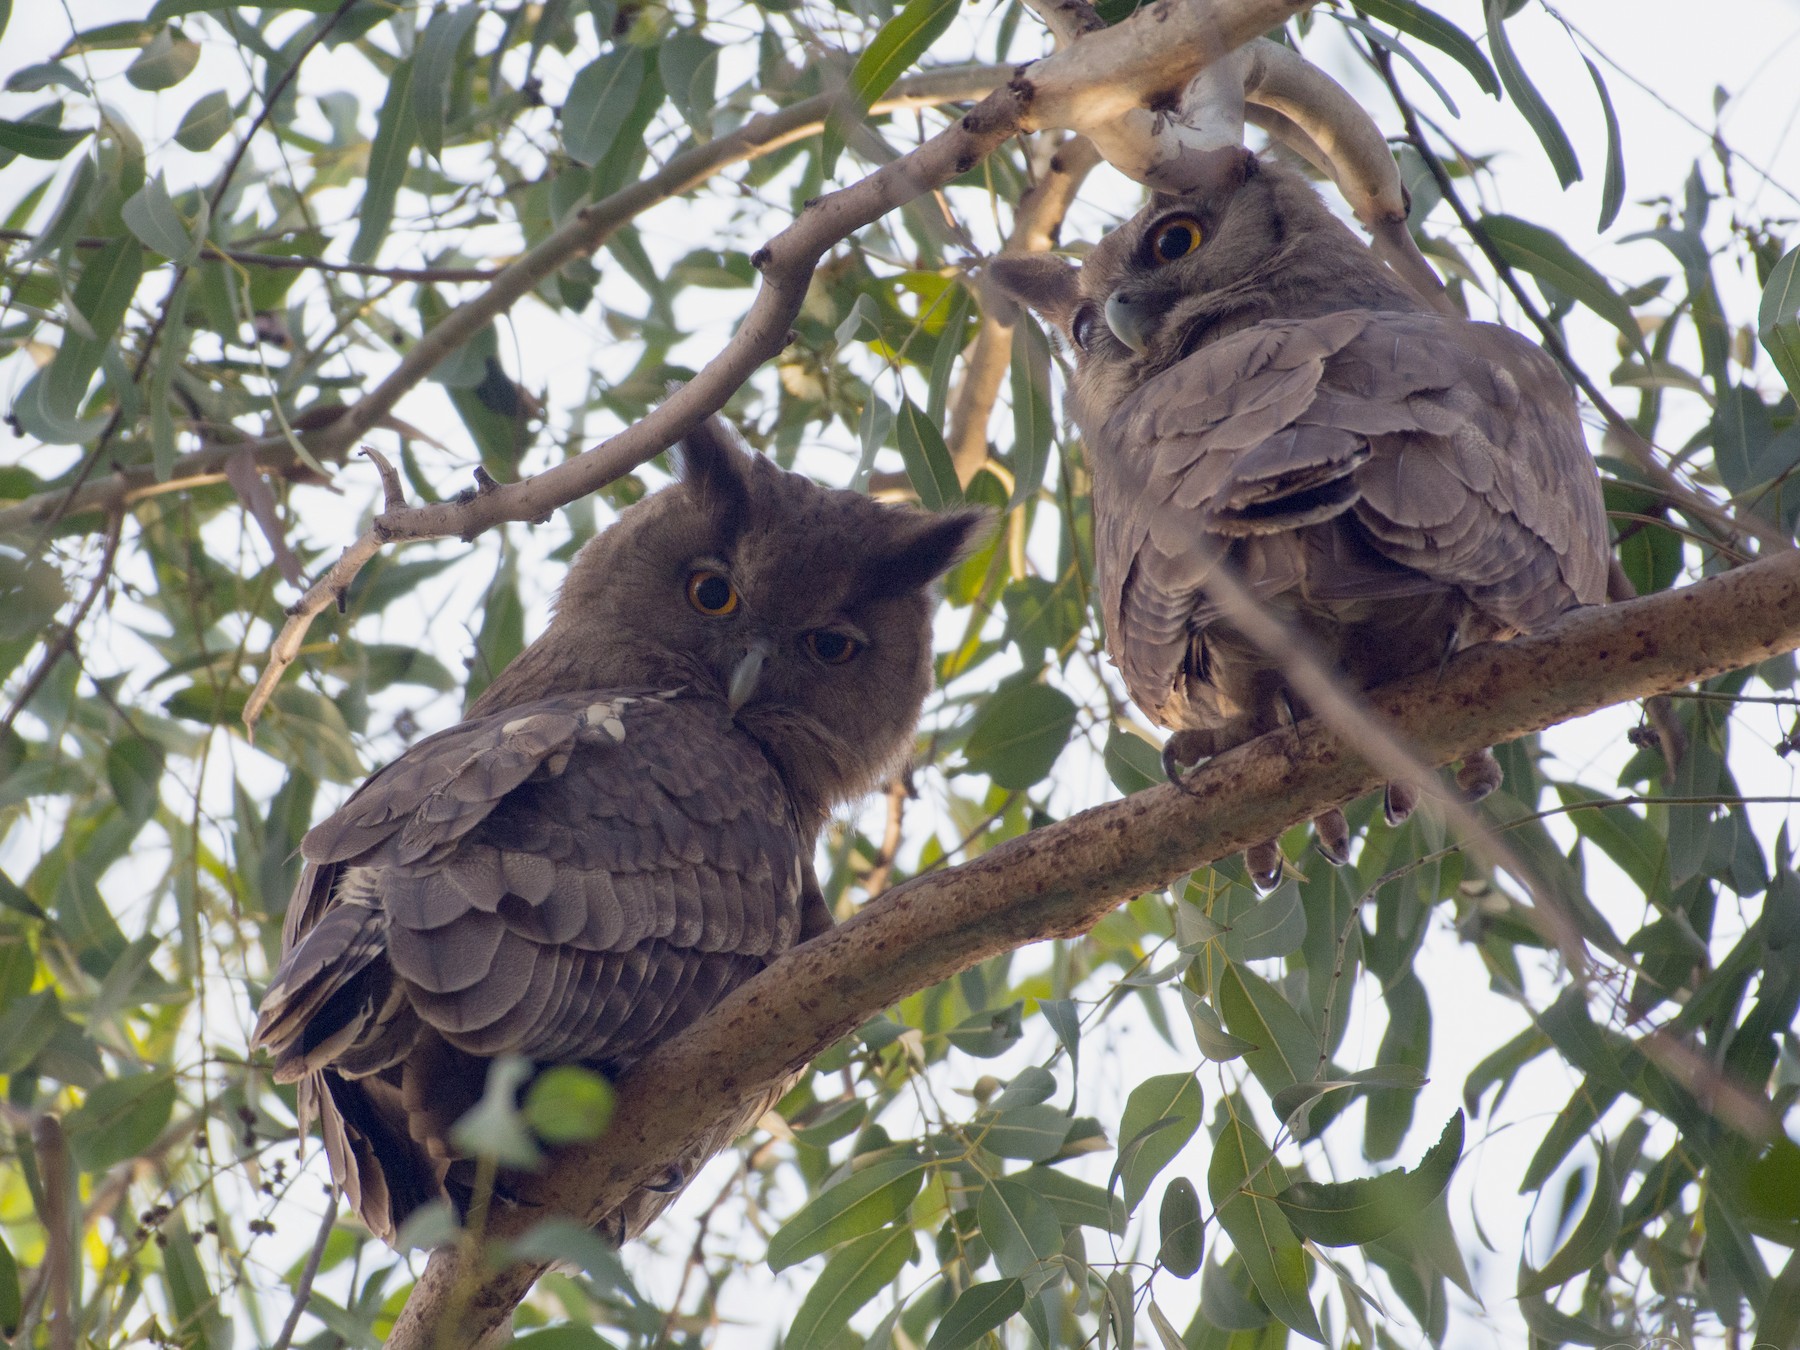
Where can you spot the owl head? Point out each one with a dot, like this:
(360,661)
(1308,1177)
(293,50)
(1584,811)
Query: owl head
(806,609)
(1255,242)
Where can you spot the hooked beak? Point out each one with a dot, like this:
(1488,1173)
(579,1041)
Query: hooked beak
(1126,317)
(746,673)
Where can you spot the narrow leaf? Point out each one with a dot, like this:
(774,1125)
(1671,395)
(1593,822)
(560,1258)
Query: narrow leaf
(1160,1116)
(1433,28)
(927,459)
(1592,1236)
(1032,425)
(1179,1227)
(1531,103)
(1612,187)
(850,1279)
(434,67)
(202,124)
(1778,318)
(977,1310)
(151,216)
(1243,1179)
(1018,1224)
(388,153)
(859,1204)
(35,140)
(1340,1214)
(1533,249)
(600,98)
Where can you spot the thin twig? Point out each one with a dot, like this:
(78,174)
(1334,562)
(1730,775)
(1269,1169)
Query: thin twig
(64,641)
(303,1286)
(898,792)
(288,262)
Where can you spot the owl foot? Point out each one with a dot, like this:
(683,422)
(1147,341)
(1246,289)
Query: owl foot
(1398,801)
(1183,751)
(672,1179)
(1264,861)
(1331,833)
(1479,775)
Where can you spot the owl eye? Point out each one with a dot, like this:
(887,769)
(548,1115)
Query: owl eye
(832,648)
(1174,239)
(1081,329)
(712,593)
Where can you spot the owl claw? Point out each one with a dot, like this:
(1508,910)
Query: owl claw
(1398,801)
(1479,775)
(1264,862)
(1173,769)
(672,1179)
(1331,833)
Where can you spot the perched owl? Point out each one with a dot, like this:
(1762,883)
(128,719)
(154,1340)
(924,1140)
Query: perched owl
(1256,390)
(621,830)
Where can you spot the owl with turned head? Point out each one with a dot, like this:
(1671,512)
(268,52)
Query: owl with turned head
(621,829)
(1256,391)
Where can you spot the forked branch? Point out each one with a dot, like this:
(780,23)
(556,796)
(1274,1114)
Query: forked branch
(1060,880)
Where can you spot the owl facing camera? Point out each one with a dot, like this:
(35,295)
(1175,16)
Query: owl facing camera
(621,830)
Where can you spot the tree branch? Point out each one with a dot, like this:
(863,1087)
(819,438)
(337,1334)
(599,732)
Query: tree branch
(1159,48)
(1060,880)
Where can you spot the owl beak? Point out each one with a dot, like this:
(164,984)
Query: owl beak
(746,674)
(1127,318)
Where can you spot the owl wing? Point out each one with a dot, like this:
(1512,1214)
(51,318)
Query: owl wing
(1454,445)
(569,880)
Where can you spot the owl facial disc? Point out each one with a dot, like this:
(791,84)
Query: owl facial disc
(1126,316)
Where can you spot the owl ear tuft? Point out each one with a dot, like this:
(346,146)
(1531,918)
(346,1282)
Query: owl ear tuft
(927,546)
(716,471)
(1049,285)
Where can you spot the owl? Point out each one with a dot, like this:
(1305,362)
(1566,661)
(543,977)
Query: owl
(1257,392)
(619,832)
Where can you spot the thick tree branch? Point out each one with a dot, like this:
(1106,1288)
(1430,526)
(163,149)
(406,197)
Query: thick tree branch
(1061,880)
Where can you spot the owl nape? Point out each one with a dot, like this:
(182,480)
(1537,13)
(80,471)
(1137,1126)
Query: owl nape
(1260,397)
(619,832)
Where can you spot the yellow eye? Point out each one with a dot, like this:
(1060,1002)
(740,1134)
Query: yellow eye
(712,593)
(832,648)
(1175,238)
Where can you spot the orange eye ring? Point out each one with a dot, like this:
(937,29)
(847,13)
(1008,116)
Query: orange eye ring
(831,647)
(1174,239)
(712,593)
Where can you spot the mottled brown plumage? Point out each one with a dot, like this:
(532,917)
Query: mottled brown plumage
(1255,389)
(622,829)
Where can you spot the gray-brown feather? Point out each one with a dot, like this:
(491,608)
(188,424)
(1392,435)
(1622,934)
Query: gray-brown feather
(1388,479)
(607,846)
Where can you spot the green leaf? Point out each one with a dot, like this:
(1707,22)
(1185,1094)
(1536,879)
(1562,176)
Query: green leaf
(1077,1202)
(859,1204)
(927,458)
(35,140)
(493,1127)
(902,40)
(1532,248)
(1287,1050)
(120,1118)
(1778,319)
(1342,1214)
(1273,926)
(601,97)
(152,217)
(1432,28)
(134,768)
(12,1304)
(1018,1224)
(1531,103)
(1243,1179)
(395,132)
(165,62)
(434,68)
(567,1103)
(1160,1116)
(1589,1241)
(1033,424)
(1032,1133)
(1018,734)
(205,122)
(977,1310)
(689,66)
(51,400)
(850,1279)
(1612,190)
(1216,1043)
(1178,1224)
(1132,762)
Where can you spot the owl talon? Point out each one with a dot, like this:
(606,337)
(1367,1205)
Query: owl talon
(673,1178)
(1264,862)
(1398,801)
(1180,755)
(1331,833)
(1479,775)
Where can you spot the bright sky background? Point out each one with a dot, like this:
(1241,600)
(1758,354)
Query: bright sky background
(1663,61)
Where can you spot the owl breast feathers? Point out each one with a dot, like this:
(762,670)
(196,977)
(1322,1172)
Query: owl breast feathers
(619,834)
(1255,388)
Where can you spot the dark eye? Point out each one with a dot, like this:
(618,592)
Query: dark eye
(1175,238)
(1081,329)
(832,648)
(712,593)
